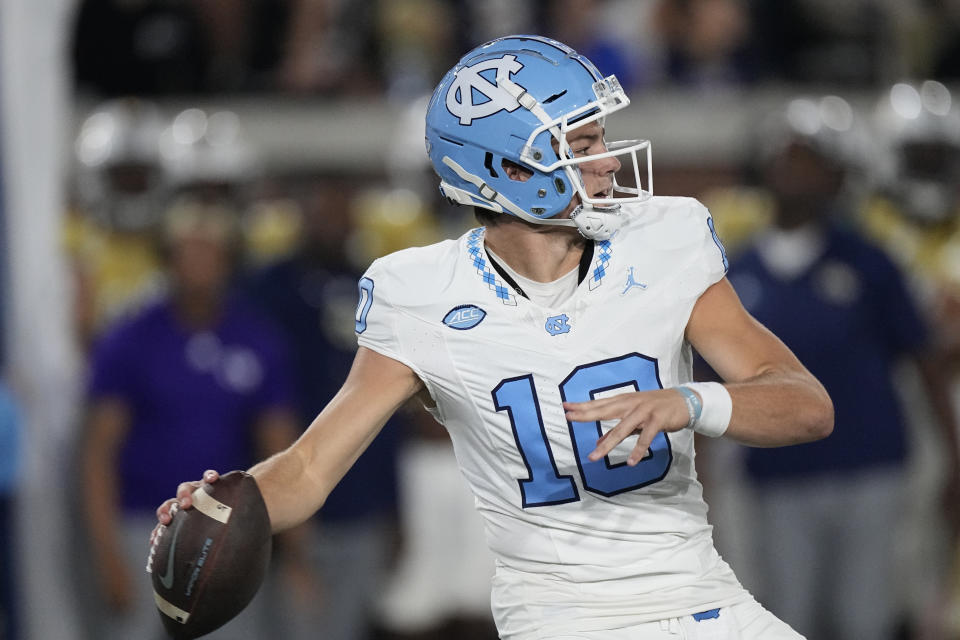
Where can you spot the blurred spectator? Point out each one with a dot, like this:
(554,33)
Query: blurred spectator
(312,296)
(209,153)
(121,187)
(415,45)
(10,435)
(915,214)
(706,42)
(827,511)
(580,24)
(244,42)
(130,163)
(632,24)
(330,48)
(918,128)
(198,366)
(915,211)
(484,20)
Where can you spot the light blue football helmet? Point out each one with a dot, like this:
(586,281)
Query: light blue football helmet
(510,99)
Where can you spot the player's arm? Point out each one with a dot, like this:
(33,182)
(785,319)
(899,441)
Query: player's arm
(776,401)
(296,481)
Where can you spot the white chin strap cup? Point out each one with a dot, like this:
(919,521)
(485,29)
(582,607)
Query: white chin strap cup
(596,224)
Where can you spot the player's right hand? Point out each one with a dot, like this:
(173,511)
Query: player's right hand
(184,499)
(645,413)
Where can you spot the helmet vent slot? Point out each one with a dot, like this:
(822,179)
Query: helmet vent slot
(488,165)
(555,97)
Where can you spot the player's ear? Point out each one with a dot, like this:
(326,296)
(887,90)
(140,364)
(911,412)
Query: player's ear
(515,171)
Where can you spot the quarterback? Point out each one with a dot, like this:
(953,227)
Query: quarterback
(554,343)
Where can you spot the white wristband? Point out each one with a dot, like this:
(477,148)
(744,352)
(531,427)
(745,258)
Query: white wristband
(717,408)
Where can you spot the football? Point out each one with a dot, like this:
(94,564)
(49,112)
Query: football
(207,564)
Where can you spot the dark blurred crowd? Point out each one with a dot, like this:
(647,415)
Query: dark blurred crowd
(399,48)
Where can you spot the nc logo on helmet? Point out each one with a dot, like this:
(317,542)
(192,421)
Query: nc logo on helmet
(468,80)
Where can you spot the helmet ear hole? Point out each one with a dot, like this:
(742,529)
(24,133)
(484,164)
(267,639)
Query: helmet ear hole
(516,171)
(560,185)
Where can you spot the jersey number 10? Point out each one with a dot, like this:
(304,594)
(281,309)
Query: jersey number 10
(544,484)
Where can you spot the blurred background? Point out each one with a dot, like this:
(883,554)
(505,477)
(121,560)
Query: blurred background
(189,190)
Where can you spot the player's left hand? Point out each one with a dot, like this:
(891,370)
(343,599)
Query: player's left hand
(645,413)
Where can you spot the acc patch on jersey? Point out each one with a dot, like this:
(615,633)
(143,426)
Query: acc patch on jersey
(463,317)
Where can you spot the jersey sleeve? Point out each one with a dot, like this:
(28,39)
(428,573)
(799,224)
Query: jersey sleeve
(690,244)
(714,255)
(377,318)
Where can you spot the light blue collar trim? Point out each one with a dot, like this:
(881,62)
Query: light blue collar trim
(478,259)
(603,250)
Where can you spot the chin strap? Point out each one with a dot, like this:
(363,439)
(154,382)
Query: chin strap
(597,224)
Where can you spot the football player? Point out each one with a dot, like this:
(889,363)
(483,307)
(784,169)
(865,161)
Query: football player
(554,344)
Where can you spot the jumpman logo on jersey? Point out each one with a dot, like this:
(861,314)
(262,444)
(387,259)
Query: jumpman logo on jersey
(557,324)
(631,283)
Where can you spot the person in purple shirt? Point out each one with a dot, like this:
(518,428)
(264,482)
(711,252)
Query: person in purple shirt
(196,376)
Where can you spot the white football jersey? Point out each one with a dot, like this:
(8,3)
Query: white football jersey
(579,544)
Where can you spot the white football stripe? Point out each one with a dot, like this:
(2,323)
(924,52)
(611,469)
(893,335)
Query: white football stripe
(170,610)
(210,506)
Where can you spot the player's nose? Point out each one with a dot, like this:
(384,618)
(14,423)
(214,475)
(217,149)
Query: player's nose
(606,166)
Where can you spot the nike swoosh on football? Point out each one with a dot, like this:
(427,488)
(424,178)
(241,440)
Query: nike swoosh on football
(167,578)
